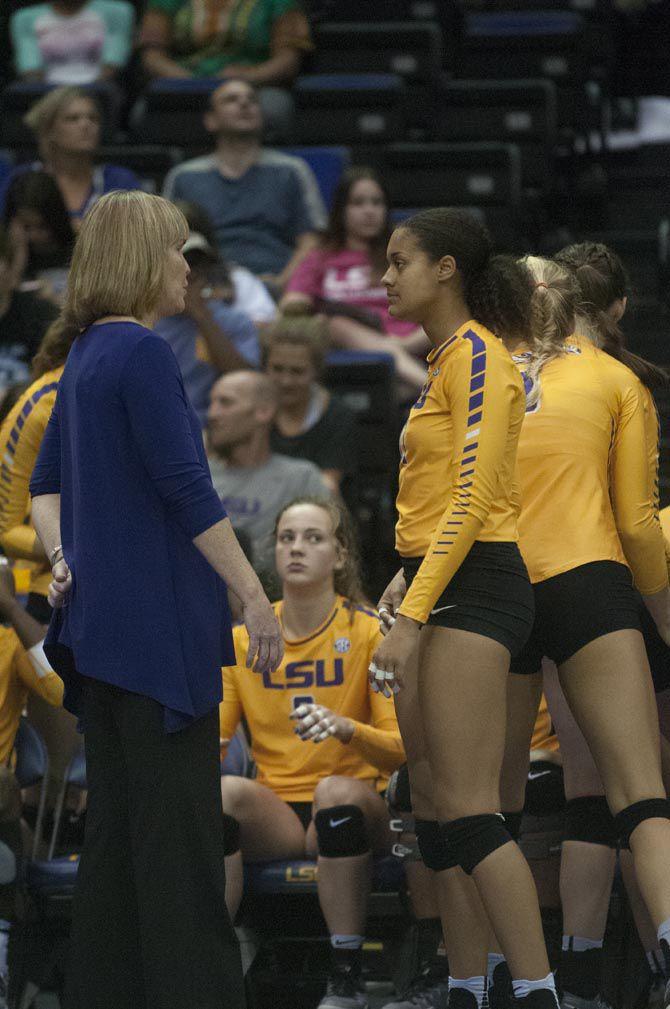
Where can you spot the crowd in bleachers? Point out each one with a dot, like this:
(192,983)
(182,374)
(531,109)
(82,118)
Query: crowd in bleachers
(293,136)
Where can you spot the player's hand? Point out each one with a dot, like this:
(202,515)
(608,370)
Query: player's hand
(266,645)
(392,655)
(316,723)
(59,589)
(392,597)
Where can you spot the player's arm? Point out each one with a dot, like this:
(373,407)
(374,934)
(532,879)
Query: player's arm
(482,397)
(633,477)
(21,445)
(230,708)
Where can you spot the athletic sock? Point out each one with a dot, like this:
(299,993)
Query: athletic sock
(475,985)
(655,961)
(664,942)
(523,988)
(347,952)
(581,965)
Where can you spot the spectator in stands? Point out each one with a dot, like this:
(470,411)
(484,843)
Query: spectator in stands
(249,294)
(72,41)
(66,123)
(209,338)
(40,224)
(253,482)
(265,206)
(24,317)
(343,277)
(320,800)
(259,41)
(21,435)
(23,670)
(310,423)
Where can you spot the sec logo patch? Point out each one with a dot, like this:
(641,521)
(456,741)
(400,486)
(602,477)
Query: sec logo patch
(342,645)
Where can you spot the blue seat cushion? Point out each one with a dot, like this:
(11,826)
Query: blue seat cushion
(54,877)
(300,875)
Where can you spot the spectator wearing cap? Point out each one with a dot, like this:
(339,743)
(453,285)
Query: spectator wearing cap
(210,337)
(265,206)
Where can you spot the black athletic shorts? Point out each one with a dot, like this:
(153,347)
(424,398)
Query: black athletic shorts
(490,594)
(303,810)
(657,650)
(576,607)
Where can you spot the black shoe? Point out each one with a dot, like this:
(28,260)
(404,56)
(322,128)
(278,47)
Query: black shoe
(501,992)
(461,998)
(344,991)
(541,998)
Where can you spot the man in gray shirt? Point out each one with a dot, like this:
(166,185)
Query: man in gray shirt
(253,483)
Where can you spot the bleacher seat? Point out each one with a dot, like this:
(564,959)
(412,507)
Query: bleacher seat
(518,112)
(481,175)
(171,112)
(411,49)
(552,44)
(327,163)
(349,108)
(18,97)
(150,162)
(31,769)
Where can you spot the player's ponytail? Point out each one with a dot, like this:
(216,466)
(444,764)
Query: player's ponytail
(496,288)
(55,346)
(347,579)
(552,317)
(601,281)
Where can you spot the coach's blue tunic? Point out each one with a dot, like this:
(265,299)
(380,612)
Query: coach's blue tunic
(124,449)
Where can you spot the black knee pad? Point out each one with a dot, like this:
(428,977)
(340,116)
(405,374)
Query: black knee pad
(632,816)
(472,838)
(513,824)
(341,832)
(398,796)
(231,835)
(588,819)
(433,850)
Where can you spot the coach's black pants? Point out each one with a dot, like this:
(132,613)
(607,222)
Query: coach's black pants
(150,927)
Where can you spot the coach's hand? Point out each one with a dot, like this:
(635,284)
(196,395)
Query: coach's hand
(59,589)
(316,723)
(392,597)
(266,645)
(387,669)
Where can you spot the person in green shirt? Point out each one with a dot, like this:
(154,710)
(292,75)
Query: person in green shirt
(260,41)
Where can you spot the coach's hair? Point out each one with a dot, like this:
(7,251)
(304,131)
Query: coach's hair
(118,265)
(552,315)
(347,580)
(310,333)
(601,280)
(497,289)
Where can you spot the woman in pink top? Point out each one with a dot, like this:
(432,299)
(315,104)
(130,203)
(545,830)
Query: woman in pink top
(343,277)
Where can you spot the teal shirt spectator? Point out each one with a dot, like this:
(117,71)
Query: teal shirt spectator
(73,48)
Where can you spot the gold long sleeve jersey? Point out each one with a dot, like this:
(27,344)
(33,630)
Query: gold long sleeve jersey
(588,461)
(457,461)
(20,439)
(330,667)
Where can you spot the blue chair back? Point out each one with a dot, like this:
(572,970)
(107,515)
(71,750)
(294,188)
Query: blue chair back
(238,759)
(32,759)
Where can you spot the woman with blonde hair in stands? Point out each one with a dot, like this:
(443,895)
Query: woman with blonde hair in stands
(139,546)
(66,123)
(322,800)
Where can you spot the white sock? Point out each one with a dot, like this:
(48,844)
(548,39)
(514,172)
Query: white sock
(346,941)
(523,988)
(493,961)
(664,932)
(475,985)
(655,961)
(578,944)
